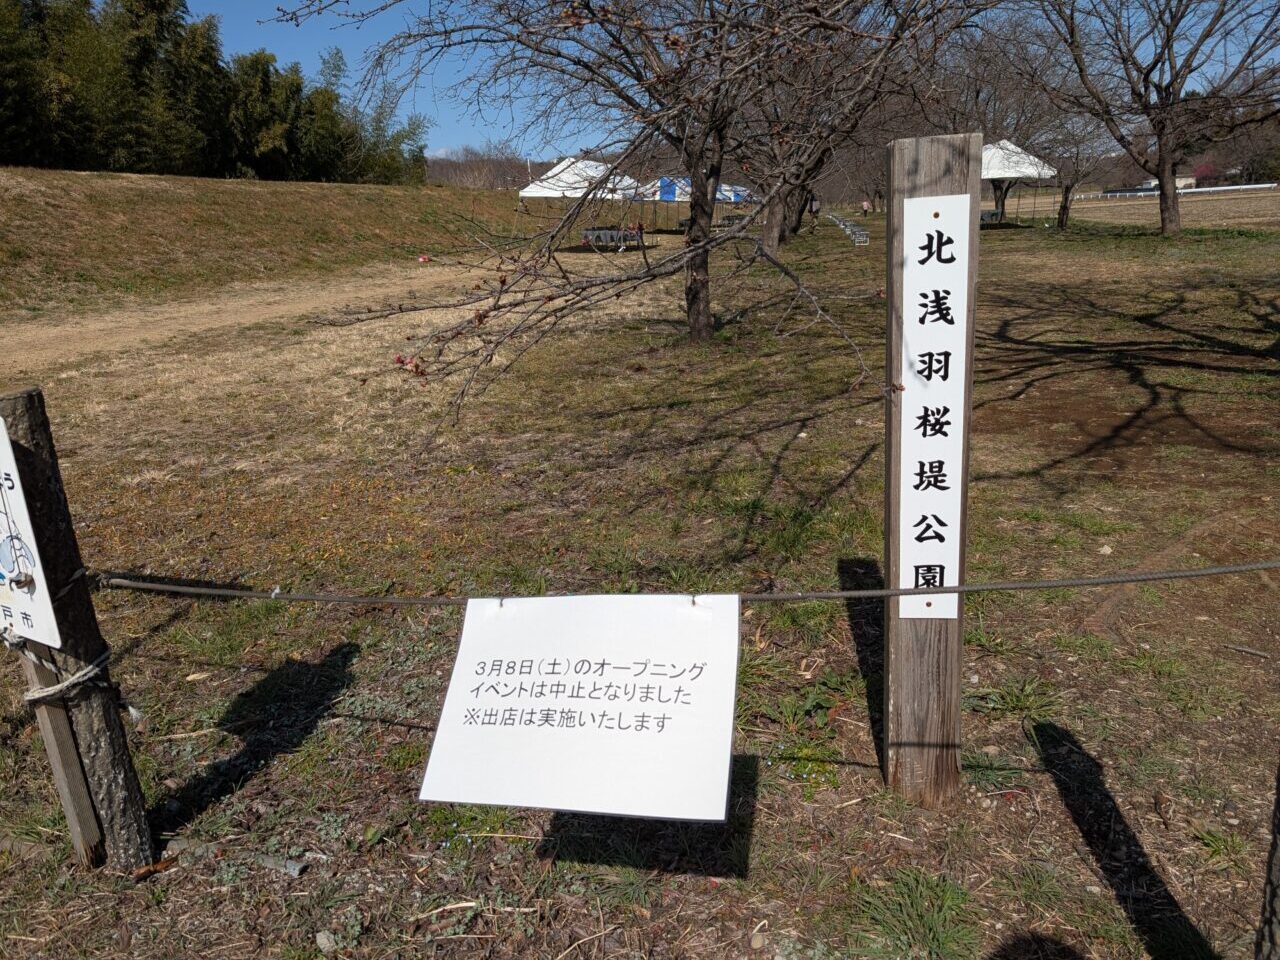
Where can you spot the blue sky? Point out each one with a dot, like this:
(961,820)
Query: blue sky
(452,127)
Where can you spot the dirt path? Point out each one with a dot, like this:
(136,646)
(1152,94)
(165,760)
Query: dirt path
(47,343)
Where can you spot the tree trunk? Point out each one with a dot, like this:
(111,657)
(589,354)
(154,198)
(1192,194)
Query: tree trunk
(797,206)
(773,230)
(784,217)
(1170,215)
(1064,207)
(1000,191)
(1268,942)
(697,276)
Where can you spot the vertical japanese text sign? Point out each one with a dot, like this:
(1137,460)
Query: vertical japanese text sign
(932,253)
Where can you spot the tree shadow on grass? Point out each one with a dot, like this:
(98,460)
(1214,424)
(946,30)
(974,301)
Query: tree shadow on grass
(274,716)
(1150,906)
(866,623)
(668,846)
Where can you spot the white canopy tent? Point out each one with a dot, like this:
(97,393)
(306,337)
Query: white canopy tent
(573,178)
(1008,161)
(1004,164)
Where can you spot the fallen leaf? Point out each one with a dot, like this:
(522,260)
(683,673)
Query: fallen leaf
(151,869)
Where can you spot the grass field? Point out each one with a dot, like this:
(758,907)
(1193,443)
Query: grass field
(1121,748)
(1254,210)
(86,241)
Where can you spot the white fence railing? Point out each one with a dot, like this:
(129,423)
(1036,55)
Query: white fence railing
(1153,192)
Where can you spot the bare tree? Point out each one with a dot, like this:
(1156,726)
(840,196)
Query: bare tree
(1075,146)
(1021,87)
(831,91)
(1164,76)
(641,72)
(1251,156)
(984,80)
(654,78)
(857,170)
(497,165)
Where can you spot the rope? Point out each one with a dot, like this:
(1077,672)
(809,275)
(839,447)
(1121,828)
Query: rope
(152,586)
(66,687)
(117,582)
(19,646)
(60,689)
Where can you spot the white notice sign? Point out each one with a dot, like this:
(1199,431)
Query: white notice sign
(935,363)
(25,605)
(604,704)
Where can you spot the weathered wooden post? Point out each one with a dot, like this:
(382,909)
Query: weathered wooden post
(933,261)
(81,726)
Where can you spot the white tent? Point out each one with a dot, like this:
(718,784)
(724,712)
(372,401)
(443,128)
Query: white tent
(1006,161)
(677,190)
(572,178)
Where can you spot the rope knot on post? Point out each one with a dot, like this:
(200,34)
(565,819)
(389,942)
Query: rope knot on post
(11,639)
(63,689)
(66,688)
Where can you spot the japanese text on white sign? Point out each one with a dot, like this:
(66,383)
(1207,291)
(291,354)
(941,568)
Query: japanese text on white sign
(25,605)
(601,704)
(934,344)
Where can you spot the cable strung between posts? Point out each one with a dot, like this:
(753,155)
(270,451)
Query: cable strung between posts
(114,581)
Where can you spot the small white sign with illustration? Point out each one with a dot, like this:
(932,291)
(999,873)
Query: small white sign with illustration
(26,606)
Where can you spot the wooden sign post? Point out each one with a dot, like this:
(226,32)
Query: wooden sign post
(933,262)
(81,727)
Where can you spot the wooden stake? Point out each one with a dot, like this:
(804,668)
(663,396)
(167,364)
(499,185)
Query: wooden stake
(923,655)
(84,735)
(64,758)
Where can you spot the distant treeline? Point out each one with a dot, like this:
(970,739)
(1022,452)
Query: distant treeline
(137,86)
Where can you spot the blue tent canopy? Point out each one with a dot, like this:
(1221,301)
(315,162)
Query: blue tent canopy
(677,189)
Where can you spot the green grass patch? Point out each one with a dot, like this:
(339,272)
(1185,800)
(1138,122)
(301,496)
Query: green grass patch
(915,914)
(1087,645)
(989,772)
(1030,697)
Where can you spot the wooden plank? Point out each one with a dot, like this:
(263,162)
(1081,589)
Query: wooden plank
(923,657)
(93,711)
(68,775)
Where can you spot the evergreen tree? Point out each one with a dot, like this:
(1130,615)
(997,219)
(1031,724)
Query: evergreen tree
(93,104)
(23,119)
(136,85)
(197,92)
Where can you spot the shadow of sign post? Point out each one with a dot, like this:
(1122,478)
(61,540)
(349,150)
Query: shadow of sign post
(1150,906)
(272,717)
(866,624)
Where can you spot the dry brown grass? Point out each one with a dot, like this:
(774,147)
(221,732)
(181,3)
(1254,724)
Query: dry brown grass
(1256,210)
(72,241)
